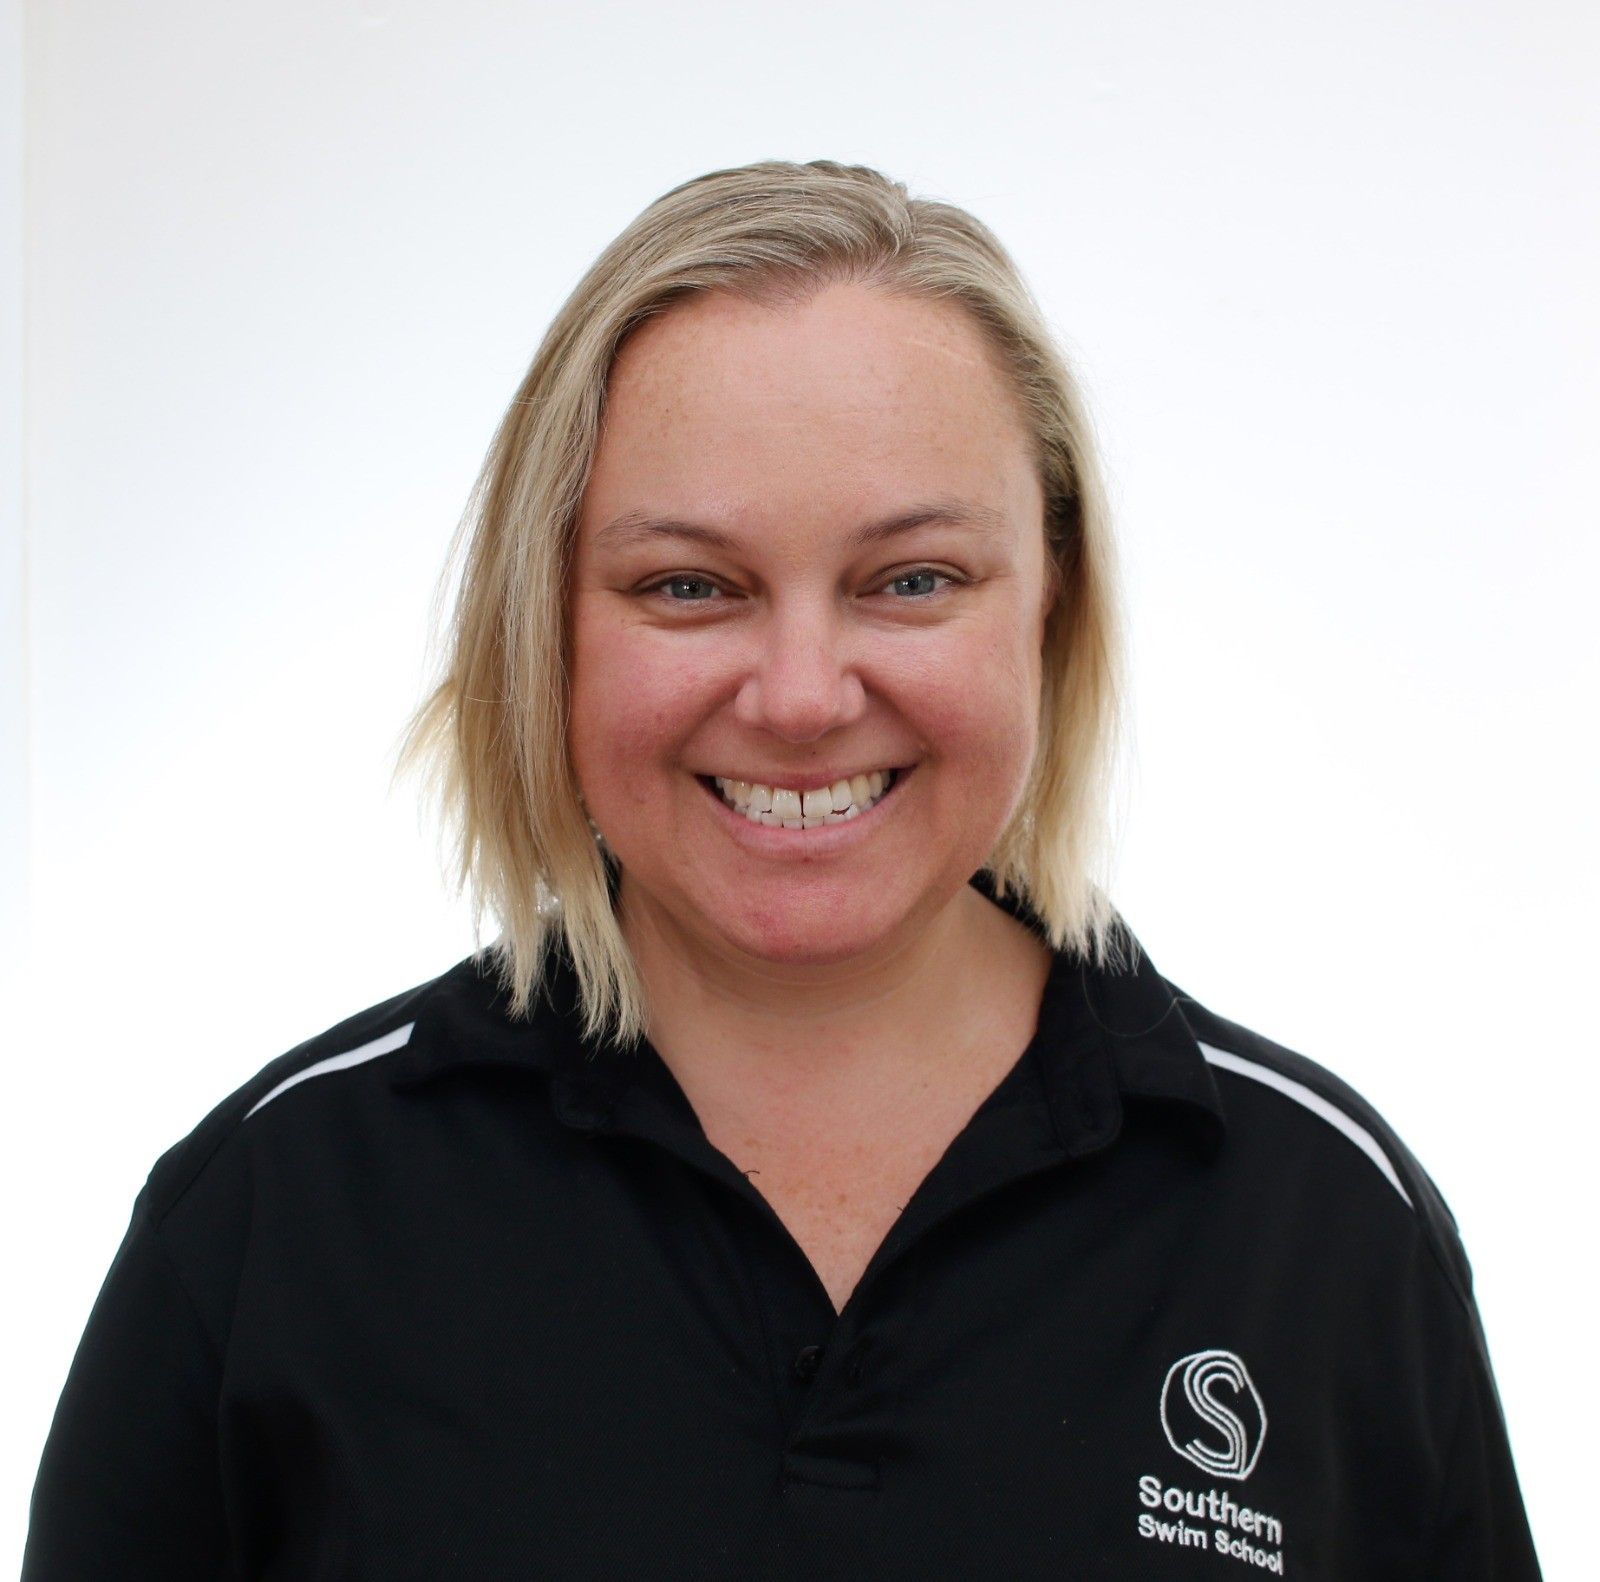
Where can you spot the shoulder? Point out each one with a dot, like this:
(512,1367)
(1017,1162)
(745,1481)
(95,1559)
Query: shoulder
(1300,1106)
(356,1041)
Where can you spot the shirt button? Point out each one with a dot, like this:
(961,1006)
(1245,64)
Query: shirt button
(805,1362)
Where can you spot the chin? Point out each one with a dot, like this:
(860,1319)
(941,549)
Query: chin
(809,933)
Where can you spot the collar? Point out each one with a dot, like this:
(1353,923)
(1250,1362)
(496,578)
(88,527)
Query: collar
(1106,1037)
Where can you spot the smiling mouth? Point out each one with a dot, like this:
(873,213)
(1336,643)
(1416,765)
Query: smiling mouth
(781,809)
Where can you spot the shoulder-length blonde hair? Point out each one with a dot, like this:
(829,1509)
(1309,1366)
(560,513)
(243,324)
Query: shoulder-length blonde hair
(491,738)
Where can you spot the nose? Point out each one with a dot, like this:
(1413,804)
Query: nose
(802,682)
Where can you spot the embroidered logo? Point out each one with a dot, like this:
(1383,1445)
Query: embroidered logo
(1212,1413)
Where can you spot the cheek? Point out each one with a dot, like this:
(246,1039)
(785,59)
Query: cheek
(976,700)
(632,699)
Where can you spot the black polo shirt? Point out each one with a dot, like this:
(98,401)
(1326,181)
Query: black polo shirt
(436,1296)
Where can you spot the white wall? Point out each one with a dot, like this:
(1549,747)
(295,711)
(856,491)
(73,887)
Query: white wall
(1328,272)
(13,644)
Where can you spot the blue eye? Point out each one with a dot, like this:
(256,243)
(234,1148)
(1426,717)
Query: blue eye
(687,582)
(921,574)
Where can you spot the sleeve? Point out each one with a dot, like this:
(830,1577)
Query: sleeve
(1481,1531)
(129,1483)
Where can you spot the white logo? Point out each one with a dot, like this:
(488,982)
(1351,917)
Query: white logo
(1235,1440)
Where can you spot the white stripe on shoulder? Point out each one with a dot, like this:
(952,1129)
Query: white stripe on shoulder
(1301,1094)
(351,1057)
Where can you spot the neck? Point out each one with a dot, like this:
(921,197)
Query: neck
(730,1026)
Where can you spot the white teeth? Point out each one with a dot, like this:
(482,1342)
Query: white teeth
(780,807)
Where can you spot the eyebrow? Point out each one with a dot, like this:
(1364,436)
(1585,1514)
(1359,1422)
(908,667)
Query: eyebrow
(639,527)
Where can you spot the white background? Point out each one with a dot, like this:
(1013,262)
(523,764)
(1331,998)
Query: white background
(273,271)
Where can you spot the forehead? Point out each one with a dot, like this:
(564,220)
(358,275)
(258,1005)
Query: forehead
(851,401)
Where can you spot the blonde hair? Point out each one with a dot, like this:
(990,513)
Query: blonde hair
(491,737)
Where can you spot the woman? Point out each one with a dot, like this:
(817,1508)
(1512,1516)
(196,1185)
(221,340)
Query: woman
(813,1180)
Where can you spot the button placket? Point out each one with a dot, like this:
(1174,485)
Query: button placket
(855,1366)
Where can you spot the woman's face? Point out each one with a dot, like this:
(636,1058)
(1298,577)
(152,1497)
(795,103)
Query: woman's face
(811,547)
